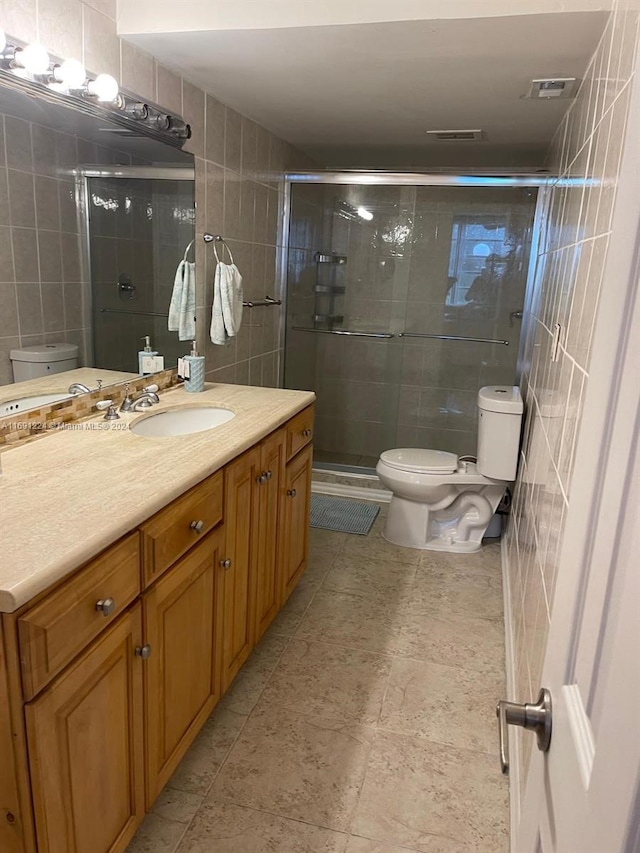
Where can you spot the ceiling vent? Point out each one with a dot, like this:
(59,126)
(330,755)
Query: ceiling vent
(546,88)
(455,135)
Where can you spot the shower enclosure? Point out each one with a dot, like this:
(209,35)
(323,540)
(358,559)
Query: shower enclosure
(403,299)
(140,221)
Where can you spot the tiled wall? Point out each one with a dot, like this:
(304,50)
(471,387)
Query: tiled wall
(374,394)
(239,166)
(41,291)
(586,147)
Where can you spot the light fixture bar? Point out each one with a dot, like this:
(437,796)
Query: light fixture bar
(30,68)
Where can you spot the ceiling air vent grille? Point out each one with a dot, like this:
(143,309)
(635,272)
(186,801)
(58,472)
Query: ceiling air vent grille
(456,135)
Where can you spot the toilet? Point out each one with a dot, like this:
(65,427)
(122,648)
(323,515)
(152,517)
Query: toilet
(43,360)
(443,503)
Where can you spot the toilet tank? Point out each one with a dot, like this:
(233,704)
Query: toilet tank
(43,360)
(499,421)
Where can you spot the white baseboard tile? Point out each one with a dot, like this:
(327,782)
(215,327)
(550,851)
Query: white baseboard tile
(357,492)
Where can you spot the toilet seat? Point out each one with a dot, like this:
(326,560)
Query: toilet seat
(420,461)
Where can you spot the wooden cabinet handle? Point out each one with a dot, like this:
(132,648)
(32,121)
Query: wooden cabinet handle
(198,526)
(291,493)
(106,606)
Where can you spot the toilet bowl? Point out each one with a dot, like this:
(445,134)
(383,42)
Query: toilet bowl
(442,503)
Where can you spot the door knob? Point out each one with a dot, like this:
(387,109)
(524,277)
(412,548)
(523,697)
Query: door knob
(268,475)
(106,606)
(291,493)
(536,718)
(225,564)
(197,526)
(143,651)
(261,478)
(515,315)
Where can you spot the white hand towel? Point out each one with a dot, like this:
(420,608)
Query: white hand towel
(182,309)
(226,315)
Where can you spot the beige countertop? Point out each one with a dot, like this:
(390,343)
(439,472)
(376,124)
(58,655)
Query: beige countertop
(58,383)
(70,495)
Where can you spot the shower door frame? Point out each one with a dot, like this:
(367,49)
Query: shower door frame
(422,179)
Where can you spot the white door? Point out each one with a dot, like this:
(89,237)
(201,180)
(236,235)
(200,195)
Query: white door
(583,795)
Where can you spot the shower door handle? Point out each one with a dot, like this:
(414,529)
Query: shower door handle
(515,315)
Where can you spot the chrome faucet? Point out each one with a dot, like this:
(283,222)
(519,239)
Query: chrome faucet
(144,401)
(78,388)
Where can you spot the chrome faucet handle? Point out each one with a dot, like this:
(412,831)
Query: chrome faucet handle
(99,384)
(127,403)
(112,412)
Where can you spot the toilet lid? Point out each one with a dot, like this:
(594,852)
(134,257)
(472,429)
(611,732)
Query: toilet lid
(421,461)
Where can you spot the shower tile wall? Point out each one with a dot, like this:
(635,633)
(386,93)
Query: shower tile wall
(588,144)
(239,169)
(411,268)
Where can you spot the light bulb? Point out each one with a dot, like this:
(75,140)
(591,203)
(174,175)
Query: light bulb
(363,213)
(33,58)
(72,73)
(104,87)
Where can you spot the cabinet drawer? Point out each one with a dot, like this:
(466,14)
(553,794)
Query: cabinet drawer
(175,529)
(61,625)
(299,431)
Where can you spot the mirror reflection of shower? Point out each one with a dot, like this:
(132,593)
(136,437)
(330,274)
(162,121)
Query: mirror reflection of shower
(139,225)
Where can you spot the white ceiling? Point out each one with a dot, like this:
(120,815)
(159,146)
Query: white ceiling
(365,93)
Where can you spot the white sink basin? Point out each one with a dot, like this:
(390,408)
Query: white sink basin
(21,404)
(182,421)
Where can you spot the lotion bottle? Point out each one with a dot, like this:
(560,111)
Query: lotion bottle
(195,380)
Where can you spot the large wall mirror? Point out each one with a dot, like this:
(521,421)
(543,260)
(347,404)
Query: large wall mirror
(95,219)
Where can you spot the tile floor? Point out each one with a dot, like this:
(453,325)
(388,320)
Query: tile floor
(364,722)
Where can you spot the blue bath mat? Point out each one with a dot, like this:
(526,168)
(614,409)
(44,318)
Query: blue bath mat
(343,514)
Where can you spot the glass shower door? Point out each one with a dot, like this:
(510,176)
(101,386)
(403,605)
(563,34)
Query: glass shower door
(139,229)
(402,302)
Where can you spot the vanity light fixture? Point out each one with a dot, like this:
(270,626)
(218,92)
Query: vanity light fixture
(33,58)
(105,88)
(30,66)
(71,75)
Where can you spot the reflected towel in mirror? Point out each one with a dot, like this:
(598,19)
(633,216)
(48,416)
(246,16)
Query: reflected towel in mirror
(182,310)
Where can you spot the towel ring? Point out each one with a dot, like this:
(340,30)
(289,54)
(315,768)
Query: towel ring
(186,251)
(217,238)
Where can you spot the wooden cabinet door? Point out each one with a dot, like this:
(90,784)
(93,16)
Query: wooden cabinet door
(182,625)
(238,579)
(268,541)
(296,500)
(85,735)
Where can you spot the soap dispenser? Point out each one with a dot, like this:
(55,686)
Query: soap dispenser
(148,359)
(195,381)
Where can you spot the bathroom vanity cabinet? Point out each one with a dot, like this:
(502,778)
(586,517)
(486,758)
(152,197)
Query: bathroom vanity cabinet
(106,679)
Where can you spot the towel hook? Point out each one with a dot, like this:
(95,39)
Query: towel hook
(217,238)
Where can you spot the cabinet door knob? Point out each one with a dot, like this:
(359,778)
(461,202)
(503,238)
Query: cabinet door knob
(306,433)
(225,564)
(261,478)
(291,493)
(197,526)
(268,474)
(143,651)
(106,606)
